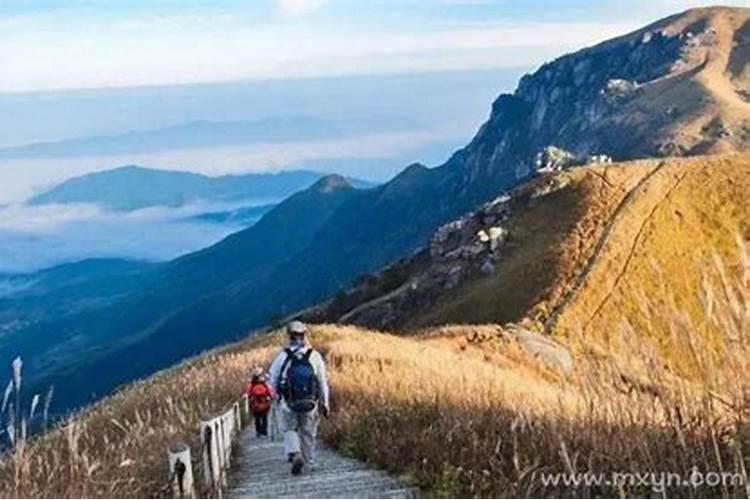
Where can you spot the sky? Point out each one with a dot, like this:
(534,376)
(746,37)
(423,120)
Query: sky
(69,44)
(417,77)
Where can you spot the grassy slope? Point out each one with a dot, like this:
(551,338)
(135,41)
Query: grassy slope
(547,243)
(688,219)
(678,213)
(459,411)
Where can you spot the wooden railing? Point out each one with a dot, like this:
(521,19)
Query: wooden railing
(217,434)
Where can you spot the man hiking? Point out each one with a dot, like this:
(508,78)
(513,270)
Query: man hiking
(298,375)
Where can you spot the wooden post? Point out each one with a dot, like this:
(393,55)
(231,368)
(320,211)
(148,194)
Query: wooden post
(181,471)
(217,433)
(219,450)
(211,456)
(237,416)
(246,409)
(226,425)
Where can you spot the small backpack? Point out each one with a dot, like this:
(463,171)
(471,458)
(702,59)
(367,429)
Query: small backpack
(300,385)
(260,397)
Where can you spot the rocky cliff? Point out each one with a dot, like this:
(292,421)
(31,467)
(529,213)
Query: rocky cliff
(679,86)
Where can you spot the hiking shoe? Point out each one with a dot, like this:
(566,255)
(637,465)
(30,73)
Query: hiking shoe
(297,464)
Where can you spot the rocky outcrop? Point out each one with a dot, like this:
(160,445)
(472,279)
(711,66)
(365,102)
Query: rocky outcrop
(552,354)
(554,159)
(459,251)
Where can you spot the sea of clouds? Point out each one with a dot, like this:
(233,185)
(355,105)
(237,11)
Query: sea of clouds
(37,237)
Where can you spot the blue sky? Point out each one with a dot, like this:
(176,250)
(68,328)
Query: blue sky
(419,74)
(68,44)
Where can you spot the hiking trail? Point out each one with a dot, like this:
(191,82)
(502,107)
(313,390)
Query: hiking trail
(259,470)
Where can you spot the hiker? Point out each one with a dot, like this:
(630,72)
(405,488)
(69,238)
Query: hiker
(260,396)
(298,375)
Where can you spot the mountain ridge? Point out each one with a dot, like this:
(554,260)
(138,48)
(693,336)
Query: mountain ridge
(131,187)
(539,253)
(196,134)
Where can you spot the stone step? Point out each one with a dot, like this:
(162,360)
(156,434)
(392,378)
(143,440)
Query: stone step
(332,490)
(277,457)
(259,470)
(309,479)
(318,486)
(270,473)
(377,493)
(366,493)
(252,471)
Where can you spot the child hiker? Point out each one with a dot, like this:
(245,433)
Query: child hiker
(260,395)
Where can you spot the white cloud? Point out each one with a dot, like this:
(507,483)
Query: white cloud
(217,46)
(213,44)
(294,8)
(35,237)
(23,178)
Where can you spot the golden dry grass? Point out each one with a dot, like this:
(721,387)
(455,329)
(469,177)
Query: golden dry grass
(464,415)
(679,233)
(660,382)
(585,257)
(548,243)
(117,447)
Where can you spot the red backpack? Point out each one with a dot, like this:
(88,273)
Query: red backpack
(260,397)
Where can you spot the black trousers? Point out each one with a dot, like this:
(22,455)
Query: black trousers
(261,423)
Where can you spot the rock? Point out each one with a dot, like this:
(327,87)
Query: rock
(496,233)
(549,352)
(552,159)
(440,244)
(617,88)
(599,159)
(492,237)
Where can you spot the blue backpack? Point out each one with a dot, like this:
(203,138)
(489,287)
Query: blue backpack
(300,385)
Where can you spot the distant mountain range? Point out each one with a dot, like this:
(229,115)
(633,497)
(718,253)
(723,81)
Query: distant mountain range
(132,187)
(241,216)
(675,87)
(206,134)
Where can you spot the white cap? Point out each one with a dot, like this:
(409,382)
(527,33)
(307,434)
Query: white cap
(296,328)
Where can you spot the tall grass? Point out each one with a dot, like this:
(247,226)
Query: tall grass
(460,431)
(117,448)
(461,411)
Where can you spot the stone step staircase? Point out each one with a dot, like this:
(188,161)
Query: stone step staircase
(259,470)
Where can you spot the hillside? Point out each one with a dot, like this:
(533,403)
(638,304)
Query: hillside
(132,187)
(462,411)
(580,253)
(87,346)
(64,290)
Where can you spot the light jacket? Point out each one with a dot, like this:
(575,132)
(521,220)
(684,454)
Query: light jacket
(316,360)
